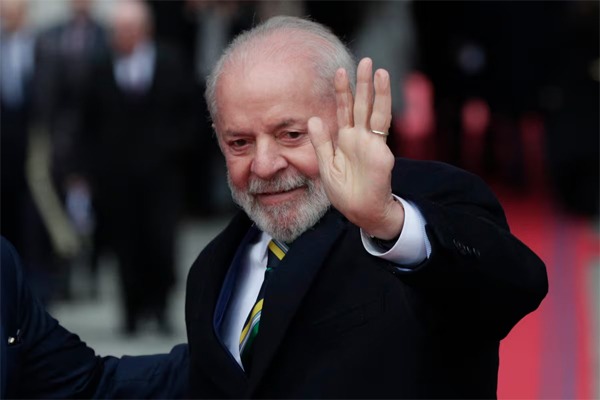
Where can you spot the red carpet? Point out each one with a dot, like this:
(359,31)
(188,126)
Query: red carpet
(550,354)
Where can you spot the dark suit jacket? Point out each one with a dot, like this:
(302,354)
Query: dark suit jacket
(133,148)
(338,322)
(41,359)
(129,135)
(61,77)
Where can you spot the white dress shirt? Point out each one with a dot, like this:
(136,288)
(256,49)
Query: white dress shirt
(16,66)
(134,72)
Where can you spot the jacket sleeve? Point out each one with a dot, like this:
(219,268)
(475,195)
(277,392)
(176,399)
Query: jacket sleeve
(48,361)
(479,279)
(159,376)
(45,360)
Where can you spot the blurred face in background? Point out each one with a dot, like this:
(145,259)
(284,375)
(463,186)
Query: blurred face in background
(263,112)
(130,26)
(13,14)
(81,7)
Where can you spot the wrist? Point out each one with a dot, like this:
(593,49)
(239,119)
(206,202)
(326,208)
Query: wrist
(389,228)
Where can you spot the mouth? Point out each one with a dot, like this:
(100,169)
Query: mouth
(271,198)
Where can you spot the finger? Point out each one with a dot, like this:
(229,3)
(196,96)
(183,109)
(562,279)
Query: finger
(363,101)
(343,99)
(381,117)
(321,140)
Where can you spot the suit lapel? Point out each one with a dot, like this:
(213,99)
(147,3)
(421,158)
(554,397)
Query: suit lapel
(287,288)
(203,293)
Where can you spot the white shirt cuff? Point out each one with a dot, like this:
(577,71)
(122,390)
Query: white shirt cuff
(413,246)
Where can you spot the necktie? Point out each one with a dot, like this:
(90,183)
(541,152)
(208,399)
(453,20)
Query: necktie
(275,253)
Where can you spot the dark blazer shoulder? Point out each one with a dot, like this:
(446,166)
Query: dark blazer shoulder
(42,359)
(437,184)
(9,281)
(425,175)
(47,361)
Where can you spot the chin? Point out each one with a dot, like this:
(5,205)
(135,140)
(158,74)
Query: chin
(287,222)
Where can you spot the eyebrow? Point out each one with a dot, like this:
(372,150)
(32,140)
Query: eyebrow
(283,124)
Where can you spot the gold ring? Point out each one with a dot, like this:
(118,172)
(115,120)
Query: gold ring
(381,133)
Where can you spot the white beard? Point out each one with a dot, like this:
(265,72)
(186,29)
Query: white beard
(286,221)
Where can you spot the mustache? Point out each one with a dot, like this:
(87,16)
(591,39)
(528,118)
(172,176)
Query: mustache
(281,183)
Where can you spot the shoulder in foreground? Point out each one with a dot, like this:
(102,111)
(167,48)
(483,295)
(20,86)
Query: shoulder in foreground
(10,259)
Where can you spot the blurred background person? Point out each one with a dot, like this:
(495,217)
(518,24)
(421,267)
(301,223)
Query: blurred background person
(16,74)
(75,44)
(136,122)
(21,219)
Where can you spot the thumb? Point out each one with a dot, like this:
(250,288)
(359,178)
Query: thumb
(321,139)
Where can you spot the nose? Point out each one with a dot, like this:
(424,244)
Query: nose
(268,159)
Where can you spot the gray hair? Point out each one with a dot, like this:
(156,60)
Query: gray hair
(304,39)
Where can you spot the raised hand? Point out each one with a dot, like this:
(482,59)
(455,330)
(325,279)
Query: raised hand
(355,164)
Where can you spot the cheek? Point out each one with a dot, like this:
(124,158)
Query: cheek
(306,161)
(239,170)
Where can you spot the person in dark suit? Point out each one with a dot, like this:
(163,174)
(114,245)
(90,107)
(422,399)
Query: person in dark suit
(137,123)
(16,75)
(396,279)
(75,44)
(20,219)
(41,359)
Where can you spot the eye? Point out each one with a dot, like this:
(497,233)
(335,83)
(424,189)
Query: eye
(238,146)
(239,143)
(292,138)
(293,135)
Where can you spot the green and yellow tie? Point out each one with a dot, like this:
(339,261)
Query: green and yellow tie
(276,252)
